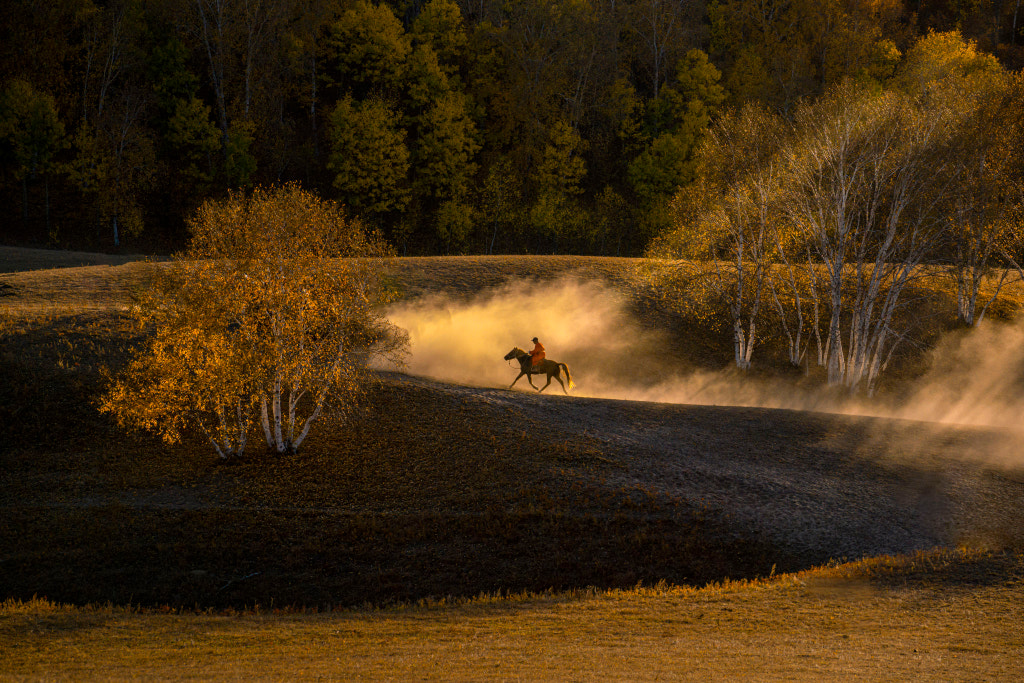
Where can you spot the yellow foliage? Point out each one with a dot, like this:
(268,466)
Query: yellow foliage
(271,312)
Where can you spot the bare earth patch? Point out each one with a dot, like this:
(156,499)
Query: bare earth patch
(821,486)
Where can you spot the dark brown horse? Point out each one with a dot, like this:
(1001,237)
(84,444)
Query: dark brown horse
(545,367)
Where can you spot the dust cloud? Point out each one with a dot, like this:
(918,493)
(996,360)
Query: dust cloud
(974,377)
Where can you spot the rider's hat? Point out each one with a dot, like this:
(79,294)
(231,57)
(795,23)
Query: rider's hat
(534,339)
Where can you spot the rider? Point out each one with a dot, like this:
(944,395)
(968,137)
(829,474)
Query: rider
(537,355)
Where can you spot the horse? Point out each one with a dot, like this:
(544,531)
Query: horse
(545,367)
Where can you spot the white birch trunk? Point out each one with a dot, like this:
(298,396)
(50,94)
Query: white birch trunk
(242,428)
(276,406)
(265,421)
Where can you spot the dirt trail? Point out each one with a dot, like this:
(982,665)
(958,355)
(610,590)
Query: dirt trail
(825,486)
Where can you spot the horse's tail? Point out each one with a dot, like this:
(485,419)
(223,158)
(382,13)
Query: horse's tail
(568,377)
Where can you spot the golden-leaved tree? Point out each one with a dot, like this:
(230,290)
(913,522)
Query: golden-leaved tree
(725,224)
(269,319)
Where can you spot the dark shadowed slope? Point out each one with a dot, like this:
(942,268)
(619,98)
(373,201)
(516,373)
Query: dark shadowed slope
(821,486)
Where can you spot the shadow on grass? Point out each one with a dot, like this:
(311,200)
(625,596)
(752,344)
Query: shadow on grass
(221,558)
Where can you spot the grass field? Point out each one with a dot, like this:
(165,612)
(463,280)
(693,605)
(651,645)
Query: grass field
(454,533)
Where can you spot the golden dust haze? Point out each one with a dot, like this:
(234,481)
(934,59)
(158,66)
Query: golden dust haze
(974,378)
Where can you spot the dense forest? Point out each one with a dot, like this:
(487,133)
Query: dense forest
(455,126)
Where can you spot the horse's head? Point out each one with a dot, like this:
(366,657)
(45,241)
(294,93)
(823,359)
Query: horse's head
(516,352)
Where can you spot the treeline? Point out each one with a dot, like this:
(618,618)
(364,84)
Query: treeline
(524,126)
(824,232)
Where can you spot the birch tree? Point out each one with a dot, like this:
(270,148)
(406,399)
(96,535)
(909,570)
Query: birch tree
(726,221)
(985,238)
(867,175)
(268,321)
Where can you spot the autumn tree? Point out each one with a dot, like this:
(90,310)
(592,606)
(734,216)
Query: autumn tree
(949,73)
(938,58)
(985,236)
(268,320)
(725,223)
(866,176)
(777,52)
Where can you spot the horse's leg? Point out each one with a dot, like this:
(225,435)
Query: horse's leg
(529,378)
(560,382)
(546,385)
(517,379)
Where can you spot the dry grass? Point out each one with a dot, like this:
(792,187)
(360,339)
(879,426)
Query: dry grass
(432,496)
(20,259)
(935,616)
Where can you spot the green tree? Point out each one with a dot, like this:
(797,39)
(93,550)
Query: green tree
(675,123)
(556,212)
(366,51)
(454,222)
(499,198)
(32,136)
(194,139)
(663,30)
(426,81)
(369,157)
(779,51)
(116,114)
(445,147)
(259,323)
(169,76)
(440,26)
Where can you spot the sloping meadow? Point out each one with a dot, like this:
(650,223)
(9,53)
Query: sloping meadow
(425,490)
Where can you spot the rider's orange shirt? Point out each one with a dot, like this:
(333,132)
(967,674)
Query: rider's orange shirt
(538,353)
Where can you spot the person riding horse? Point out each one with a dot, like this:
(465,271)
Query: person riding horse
(534,363)
(537,355)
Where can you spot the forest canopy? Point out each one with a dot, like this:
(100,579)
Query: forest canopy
(452,126)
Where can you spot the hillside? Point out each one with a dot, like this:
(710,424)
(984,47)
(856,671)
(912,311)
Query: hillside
(511,535)
(440,488)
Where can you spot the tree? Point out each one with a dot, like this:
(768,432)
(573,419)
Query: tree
(555,211)
(778,51)
(269,319)
(366,49)
(445,147)
(674,125)
(866,177)
(725,222)
(31,136)
(985,236)
(937,57)
(663,29)
(500,196)
(440,26)
(117,163)
(194,138)
(369,157)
